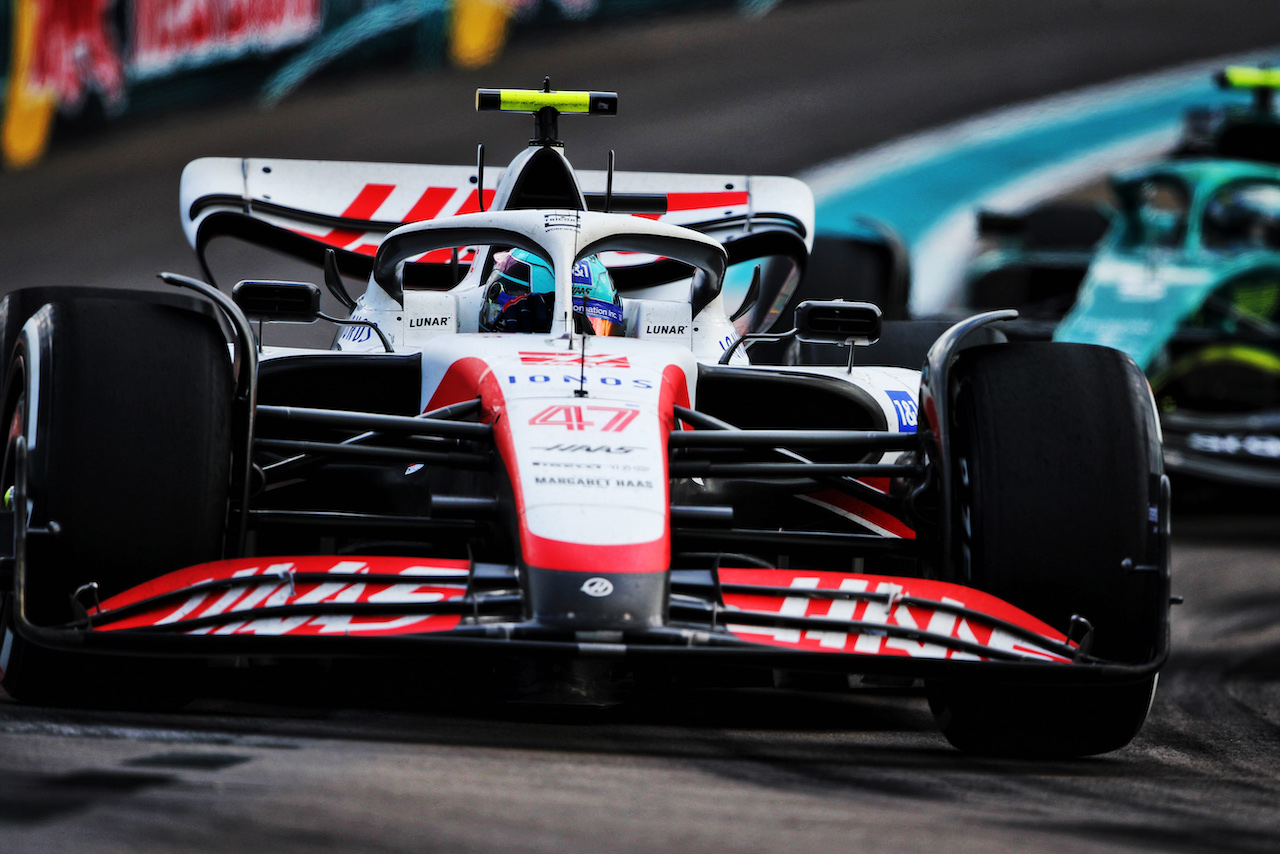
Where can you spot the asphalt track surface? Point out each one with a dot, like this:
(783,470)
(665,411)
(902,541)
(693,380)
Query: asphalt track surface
(332,770)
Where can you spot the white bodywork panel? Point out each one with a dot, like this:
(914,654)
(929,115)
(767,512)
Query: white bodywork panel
(568,424)
(285,192)
(578,424)
(397,193)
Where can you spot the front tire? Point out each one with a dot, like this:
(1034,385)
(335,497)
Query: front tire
(1059,482)
(125,404)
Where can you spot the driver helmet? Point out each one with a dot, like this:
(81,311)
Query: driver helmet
(1245,217)
(521,289)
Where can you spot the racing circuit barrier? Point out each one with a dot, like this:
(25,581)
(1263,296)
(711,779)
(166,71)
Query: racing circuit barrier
(72,65)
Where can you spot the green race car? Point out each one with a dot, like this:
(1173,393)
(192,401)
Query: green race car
(1185,279)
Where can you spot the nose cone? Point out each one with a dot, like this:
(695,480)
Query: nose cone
(597,601)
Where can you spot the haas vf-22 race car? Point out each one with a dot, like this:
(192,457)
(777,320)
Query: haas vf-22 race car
(540,438)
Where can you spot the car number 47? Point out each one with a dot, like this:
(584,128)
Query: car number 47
(575,417)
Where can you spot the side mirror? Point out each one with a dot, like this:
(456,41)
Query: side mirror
(838,322)
(280,302)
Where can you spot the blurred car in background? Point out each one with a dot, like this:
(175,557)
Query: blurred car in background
(1183,275)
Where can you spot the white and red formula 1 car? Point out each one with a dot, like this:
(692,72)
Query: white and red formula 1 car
(623,476)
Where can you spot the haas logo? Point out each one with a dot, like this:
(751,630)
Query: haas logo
(597,587)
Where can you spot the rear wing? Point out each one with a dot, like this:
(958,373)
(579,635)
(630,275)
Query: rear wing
(306,207)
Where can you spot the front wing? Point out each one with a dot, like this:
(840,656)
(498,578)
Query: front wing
(783,618)
(1240,449)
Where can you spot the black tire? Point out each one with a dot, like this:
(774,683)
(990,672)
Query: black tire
(130,456)
(18,306)
(1044,292)
(857,269)
(1058,478)
(1064,225)
(872,269)
(1042,284)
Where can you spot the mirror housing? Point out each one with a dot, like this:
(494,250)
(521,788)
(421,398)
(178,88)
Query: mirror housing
(279,302)
(838,322)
